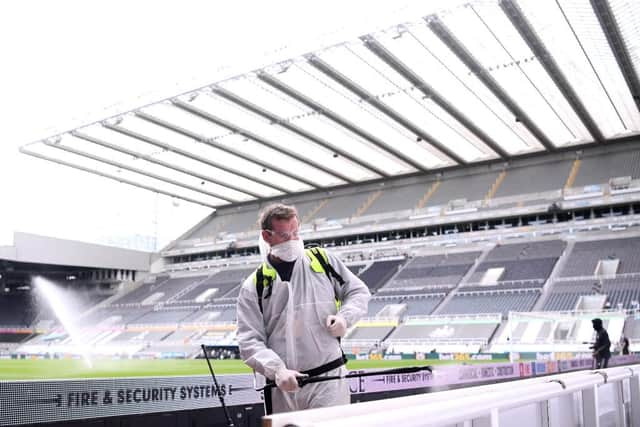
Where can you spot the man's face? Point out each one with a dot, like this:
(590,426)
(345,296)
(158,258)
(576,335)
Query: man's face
(281,231)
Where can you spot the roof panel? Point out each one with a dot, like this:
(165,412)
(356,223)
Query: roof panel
(116,172)
(204,169)
(514,71)
(594,42)
(627,16)
(141,163)
(252,123)
(398,94)
(181,118)
(254,90)
(480,81)
(329,94)
(560,38)
(423,52)
(208,151)
(340,137)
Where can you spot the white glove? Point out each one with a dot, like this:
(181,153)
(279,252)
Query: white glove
(337,325)
(287,379)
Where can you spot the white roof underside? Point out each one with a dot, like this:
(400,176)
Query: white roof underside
(483,81)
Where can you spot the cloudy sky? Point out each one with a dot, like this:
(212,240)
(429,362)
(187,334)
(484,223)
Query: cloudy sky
(67,62)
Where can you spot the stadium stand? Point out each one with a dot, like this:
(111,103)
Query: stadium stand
(398,199)
(587,256)
(427,271)
(473,187)
(16,310)
(599,169)
(534,179)
(379,272)
(491,302)
(417,276)
(214,286)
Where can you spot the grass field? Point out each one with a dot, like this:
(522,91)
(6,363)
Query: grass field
(51,369)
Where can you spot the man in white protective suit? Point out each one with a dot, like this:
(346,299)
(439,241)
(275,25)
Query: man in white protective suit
(292,312)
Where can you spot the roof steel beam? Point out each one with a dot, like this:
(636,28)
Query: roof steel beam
(136,170)
(620,51)
(201,138)
(159,162)
(443,33)
(295,129)
(391,60)
(192,156)
(363,94)
(522,25)
(272,81)
(240,131)
(115,178)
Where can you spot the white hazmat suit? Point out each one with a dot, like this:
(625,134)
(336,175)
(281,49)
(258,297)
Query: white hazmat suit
(292,332)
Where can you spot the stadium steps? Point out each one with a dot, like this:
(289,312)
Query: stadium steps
(309,216)
(494,188)
(546,288)
(186,290)
(113,298)
(573,174)
(367,204)
(423,202)
(462,281)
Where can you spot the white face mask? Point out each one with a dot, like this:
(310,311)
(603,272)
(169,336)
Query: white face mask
(288,251)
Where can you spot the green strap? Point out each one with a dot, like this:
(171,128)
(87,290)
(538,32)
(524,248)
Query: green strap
(266,275)
(320,256)
(264,278)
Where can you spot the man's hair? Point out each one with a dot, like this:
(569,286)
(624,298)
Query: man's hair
(276,211)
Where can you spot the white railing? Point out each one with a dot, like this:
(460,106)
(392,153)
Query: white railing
(435,340)
(445,318)
(595,278)
(585,398)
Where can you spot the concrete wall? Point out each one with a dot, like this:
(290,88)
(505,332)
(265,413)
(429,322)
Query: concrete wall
(49,250)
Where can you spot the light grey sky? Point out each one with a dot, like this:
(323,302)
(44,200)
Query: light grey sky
(66,62)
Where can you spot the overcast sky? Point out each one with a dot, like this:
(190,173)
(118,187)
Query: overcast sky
(66,62)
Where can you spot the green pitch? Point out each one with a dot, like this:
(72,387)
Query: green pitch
(59,369)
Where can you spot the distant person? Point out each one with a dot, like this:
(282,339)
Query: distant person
(292,312)
(602,346)
(625,345)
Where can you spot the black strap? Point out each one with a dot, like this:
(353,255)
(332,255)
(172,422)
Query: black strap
(268,402)
(259,286)
(328,268)
(334,364)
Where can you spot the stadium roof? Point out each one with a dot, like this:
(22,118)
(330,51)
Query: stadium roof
(489,80)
